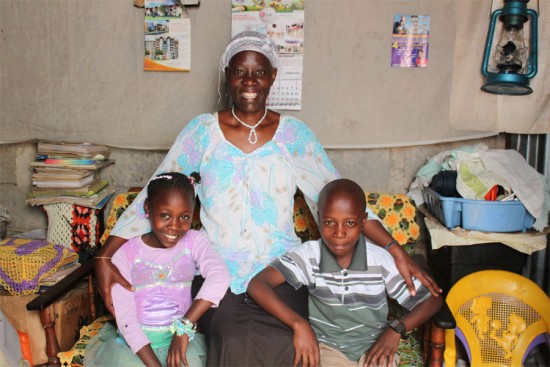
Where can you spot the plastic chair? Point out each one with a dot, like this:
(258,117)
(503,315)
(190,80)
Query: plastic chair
(500,317)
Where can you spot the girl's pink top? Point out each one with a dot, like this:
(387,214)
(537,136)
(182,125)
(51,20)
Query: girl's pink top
(162,278)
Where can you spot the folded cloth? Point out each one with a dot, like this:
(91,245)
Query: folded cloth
(25,262)
(474,180)
(440,236)
(529,185)
(446,160)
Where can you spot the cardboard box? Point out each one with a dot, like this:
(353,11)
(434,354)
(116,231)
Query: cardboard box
(69,313)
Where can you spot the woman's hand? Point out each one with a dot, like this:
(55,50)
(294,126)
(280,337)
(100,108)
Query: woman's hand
(383,351)
(306,346)
(408,268)
(108,274)
(177,351)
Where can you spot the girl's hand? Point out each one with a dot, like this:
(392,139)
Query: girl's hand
(383,351)
(408,268)
(107,275)
(177,351)
(306,346)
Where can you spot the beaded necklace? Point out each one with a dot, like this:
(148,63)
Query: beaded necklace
(252,136)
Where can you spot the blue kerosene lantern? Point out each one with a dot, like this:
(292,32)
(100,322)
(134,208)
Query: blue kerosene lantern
(510,65)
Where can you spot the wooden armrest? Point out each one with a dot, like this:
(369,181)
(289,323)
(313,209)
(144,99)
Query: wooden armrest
(59,289)
(444,319)
(52,294)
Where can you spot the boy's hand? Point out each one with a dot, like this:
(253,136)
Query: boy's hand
(306,346)
(383,351)
(177,351)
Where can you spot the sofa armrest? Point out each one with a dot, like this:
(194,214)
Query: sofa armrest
(51,295)
(59,289)
(444,319)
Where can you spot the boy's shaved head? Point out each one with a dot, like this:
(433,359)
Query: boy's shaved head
(343,188)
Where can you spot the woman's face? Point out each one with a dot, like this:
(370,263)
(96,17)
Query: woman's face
(249,78)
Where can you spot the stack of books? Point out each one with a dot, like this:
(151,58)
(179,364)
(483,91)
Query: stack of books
(69,173)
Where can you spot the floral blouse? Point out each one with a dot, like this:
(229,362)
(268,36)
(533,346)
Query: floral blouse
(246,198)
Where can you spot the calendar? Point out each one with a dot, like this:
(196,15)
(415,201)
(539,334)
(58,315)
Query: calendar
(286,92)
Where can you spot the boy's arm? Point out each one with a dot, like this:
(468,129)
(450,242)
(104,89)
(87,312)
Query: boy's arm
(261,289)
(386,345)
(408,268)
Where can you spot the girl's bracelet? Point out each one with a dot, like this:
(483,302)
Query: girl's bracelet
(183,326)
(389,245)
(103,257)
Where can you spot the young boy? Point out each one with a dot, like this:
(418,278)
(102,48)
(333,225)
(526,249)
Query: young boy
(347,278)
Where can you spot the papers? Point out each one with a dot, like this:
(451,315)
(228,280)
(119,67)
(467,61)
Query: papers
(59,182)
(69,173)
(72,149)
(94,201)
(92,166)
(86,190)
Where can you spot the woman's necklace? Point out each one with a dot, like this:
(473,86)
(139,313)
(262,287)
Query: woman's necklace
(252,136)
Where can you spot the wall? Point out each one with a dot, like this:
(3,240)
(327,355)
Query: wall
(387,170)
(73,70)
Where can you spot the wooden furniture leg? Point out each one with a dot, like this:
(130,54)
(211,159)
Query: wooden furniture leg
(52,346)
(437,346)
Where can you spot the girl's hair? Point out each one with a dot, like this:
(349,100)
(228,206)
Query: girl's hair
(172,180)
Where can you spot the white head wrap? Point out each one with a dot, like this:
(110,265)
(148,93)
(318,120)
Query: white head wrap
(250,41)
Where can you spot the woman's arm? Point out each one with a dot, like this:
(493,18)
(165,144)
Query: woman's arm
(261,289)
(107,273)
(408,268)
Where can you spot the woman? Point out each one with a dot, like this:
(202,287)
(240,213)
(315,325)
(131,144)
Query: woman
(251,161)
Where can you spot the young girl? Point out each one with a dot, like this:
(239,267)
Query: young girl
(156,322)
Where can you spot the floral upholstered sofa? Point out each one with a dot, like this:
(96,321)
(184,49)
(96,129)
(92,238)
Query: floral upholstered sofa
(397,212)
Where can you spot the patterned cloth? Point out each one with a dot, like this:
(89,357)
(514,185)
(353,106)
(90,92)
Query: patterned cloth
(75,227)
(24,262)
(398,213)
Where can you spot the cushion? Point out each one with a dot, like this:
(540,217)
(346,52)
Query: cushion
(75,356)
(398,213)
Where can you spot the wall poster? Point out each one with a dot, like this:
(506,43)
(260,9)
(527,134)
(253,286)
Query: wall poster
(167,31)
(283,21)
(410,41)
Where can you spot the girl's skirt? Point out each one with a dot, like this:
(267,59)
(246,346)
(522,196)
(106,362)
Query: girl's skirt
(108,348)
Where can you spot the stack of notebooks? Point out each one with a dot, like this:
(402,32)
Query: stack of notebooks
(69,173)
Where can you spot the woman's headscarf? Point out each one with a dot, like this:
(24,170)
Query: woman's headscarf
(250,41)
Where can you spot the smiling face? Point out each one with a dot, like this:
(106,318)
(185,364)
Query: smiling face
(170,214)
(250,77)
(341,221)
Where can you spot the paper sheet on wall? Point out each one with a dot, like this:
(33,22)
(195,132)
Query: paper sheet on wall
(283,21)
(410,41)
(167,36)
